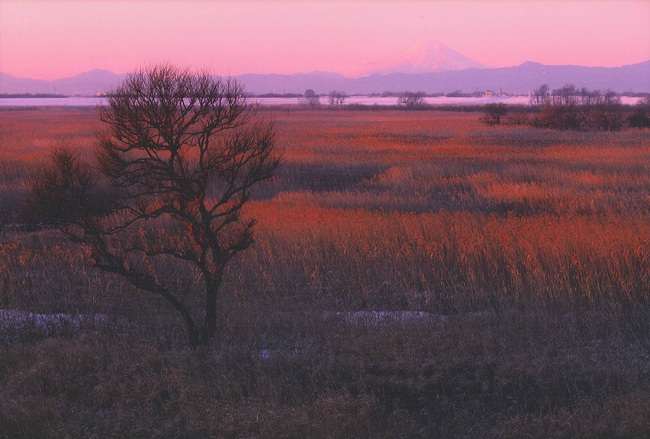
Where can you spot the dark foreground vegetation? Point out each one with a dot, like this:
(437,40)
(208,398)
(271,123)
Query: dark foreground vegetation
(414,274)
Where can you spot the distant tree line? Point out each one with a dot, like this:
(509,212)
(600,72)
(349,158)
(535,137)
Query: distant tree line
(277,95)
(30,95)
(394,94)
(461,94)
(570,108)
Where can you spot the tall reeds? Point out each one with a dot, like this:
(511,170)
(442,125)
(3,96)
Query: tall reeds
(523,256)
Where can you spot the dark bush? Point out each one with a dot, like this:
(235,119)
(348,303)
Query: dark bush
(494,113)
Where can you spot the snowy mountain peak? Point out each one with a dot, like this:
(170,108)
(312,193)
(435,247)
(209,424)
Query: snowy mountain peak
(425,57)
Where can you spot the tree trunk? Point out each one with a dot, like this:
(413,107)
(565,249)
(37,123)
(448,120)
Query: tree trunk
(142,281)
(211,295)
(192,330)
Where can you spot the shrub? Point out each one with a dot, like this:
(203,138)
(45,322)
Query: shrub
(494,113)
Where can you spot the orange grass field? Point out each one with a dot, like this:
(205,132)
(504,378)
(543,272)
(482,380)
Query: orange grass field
(542,235)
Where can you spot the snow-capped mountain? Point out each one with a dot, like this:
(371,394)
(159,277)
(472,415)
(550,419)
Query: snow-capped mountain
(425,57)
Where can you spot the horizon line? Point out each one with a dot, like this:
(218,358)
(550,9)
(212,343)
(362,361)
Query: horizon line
(335,73)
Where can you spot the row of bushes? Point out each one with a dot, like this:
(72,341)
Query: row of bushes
(571,109)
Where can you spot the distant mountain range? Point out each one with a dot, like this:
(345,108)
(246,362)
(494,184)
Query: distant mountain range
(425,57)
(85,84)
(430,67)
(521,79)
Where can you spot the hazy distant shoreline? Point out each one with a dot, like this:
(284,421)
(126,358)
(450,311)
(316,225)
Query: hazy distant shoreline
(352,100)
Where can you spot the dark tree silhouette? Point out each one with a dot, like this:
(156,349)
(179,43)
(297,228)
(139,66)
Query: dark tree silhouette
(541,96)
(337,98)
(173,170)
(411,99)
(567,96)
(494,112)
(310,99)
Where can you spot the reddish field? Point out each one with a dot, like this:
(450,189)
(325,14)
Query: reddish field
(534,245)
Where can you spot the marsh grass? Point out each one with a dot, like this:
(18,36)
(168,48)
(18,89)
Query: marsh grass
(525,252)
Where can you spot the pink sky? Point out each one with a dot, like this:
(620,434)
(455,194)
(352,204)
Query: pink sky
(59,38)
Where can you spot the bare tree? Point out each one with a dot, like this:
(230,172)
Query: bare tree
(566,96)
(337,98)
(588,97)
(310,99)
(540,96)
(494,112)
(173,170)
(410,99)
(605,112)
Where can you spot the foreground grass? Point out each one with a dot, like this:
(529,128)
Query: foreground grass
(485,376)
(526,251)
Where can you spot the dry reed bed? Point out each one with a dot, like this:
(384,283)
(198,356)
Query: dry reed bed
(535,244)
